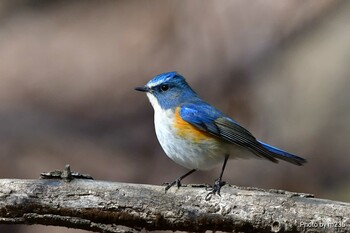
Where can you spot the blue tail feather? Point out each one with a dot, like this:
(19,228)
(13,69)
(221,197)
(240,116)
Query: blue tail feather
(280,154)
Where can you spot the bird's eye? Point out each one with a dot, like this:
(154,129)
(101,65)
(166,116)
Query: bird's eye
(164,87)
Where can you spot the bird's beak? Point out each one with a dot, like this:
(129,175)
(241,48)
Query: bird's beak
(143,89)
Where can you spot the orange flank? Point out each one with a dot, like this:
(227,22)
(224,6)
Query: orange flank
(188,131)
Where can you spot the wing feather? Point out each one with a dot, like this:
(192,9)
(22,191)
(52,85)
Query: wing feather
(207,118)
(211,120)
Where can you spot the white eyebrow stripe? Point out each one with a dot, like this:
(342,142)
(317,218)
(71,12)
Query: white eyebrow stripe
(157,82)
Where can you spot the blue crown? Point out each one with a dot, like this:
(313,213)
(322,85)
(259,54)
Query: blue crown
(161,78)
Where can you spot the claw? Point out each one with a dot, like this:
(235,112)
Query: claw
(178,180)
(215,189)
(169,185)
(178,183)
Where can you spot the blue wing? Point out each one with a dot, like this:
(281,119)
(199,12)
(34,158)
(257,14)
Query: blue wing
(207,118)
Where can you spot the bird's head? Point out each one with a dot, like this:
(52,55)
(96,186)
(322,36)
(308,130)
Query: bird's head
(168,90)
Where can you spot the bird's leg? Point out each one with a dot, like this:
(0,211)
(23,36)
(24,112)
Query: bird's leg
(215,189)
(178,180)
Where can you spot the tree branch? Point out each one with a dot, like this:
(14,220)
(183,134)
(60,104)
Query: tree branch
(121,207)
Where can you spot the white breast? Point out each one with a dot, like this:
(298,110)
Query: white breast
(204,155)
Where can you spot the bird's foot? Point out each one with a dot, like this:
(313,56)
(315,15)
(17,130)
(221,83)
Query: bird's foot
(176,182)
(215,189)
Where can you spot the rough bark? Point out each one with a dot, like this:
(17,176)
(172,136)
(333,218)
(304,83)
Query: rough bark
(122,207)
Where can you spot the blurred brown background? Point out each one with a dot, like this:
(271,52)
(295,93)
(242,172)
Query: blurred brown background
(68,69)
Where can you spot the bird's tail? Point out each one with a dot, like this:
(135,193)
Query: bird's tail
(280,154)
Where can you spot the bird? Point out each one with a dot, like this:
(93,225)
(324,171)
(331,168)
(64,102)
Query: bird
(196,135)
